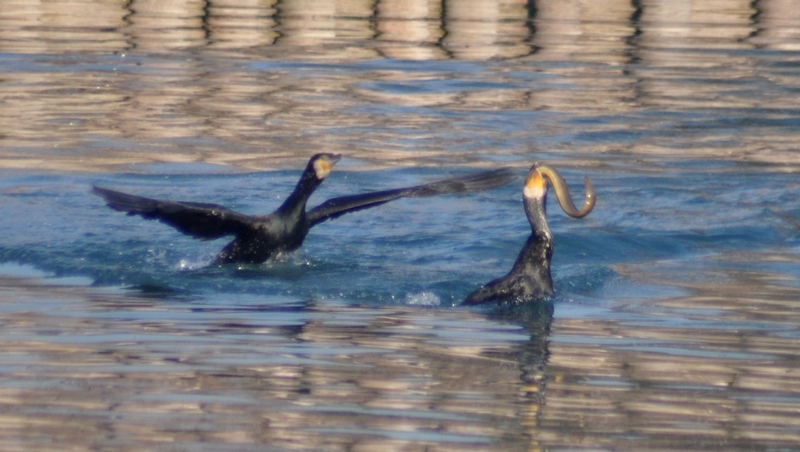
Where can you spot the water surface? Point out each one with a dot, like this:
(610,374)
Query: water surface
(675,323)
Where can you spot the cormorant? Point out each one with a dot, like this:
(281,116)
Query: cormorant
(257,238)
(530,279)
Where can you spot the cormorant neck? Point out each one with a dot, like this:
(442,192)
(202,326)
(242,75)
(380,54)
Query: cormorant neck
(304,189)
(536,209)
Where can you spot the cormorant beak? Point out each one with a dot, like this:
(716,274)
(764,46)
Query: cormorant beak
(324,165)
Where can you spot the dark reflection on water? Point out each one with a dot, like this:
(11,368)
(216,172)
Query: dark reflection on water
(676,322)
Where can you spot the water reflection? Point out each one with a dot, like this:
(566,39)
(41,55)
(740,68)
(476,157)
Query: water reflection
(713,369)
(678,326)
(234,24)
(419,29)
(299,374)
(710,369)
(662,72)
(776,25)
(230,102)
(410,30)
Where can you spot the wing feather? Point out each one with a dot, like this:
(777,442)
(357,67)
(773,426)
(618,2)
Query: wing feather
(201,220)
(336,207)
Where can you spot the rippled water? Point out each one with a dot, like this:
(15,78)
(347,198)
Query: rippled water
(676,321)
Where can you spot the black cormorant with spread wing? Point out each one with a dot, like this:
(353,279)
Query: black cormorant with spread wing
(257,238)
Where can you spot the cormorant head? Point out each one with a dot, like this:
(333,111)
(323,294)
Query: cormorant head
(323,163)
(316,171)
(535,184)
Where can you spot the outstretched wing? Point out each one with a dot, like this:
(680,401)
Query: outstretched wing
(201,220)
(336,207)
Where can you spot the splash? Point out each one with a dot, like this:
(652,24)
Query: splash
(423,299)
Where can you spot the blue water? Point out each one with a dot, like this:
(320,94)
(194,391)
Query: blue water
(415,251)
(675,323)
